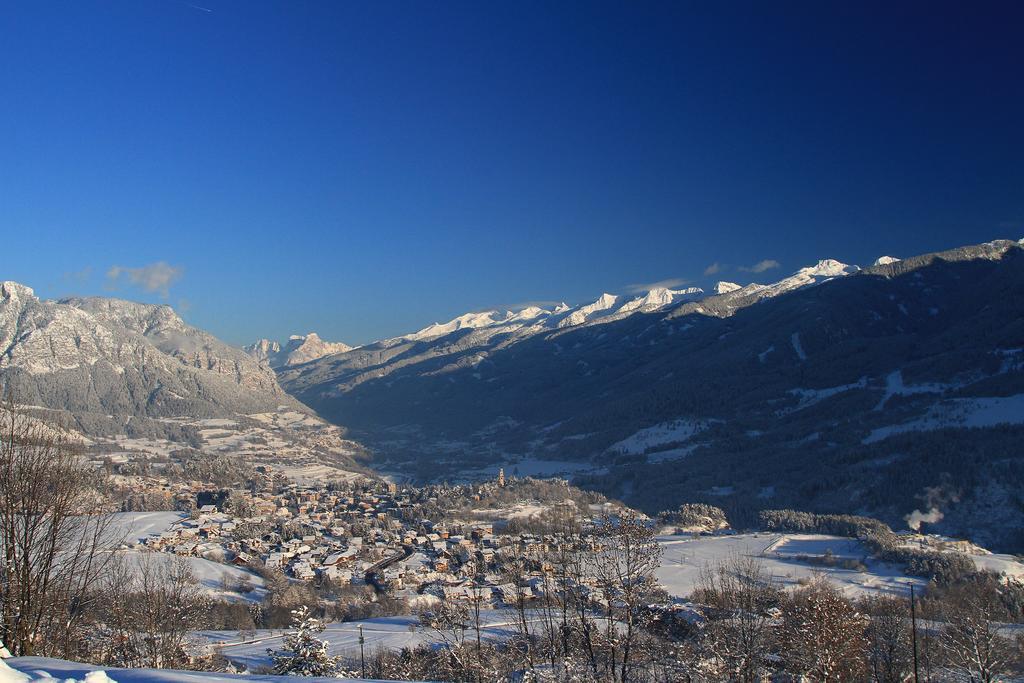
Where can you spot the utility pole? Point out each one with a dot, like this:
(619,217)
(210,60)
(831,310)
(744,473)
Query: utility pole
(362,653)
(913,630)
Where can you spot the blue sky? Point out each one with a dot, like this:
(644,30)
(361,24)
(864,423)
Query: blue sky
(364,169)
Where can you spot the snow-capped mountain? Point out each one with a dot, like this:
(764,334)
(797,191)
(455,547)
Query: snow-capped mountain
(135,382)
(110,357)
(467,321)
(488,331)
(606,308)
(263,350)
(299,349)
(818,391)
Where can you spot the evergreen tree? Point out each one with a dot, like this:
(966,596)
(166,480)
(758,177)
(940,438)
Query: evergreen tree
(304,654)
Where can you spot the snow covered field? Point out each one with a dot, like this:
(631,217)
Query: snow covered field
(784,558)
(392,633)
(674,431)
(131,528)
(41,669)
(686,556)
(306,447)
(218,580)
(960,412)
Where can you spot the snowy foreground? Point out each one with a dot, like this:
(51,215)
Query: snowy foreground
(43,670)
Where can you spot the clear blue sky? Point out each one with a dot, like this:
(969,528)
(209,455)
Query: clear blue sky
(365,168)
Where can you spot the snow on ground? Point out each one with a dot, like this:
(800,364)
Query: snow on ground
(672,454)
(315,474)
(686,556)
(673,431)
(894,386)
(287,418)
(1008,565)
(518,511)
(41,669)
(392,633)
(809,397)
(220,581)
(160,448)
(310,447)
(797,346)
(960,412)
(133,527)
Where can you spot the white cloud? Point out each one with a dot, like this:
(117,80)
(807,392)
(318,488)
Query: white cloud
(761,266)
(713,269)
(155,277)
(643,288)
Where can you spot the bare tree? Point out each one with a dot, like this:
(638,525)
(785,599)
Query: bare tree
(451,621)
(625,566)
(822,634)
(970,643)
(738,596)
(889,638)
(54,522)
(515,566)
(153,603)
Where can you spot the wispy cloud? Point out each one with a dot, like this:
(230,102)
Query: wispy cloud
(713,269)
(761,266)
(644,287)
(155,277)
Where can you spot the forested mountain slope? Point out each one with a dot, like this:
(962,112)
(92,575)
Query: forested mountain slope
(897,387)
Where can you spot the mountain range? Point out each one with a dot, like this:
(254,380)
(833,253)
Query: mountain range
(895,390)
(883,390)
(105,356)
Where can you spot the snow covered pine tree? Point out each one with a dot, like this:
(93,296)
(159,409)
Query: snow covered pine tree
(304,654)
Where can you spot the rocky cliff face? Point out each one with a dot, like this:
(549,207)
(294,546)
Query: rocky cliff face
(120,358)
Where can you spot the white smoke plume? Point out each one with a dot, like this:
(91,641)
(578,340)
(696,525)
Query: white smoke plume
(916,518)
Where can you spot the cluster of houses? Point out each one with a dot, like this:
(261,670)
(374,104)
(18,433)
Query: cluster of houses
(371,533)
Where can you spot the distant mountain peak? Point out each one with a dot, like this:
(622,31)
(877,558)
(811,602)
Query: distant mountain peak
(829,268)
(147,361)
(726,287)
(10,290)
(464,321)
(885,260)
(299,349)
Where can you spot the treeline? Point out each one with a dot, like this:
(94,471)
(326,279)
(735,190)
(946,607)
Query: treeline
(880,540)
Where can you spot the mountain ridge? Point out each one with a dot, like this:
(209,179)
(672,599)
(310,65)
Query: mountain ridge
(115,357)
(788,374)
